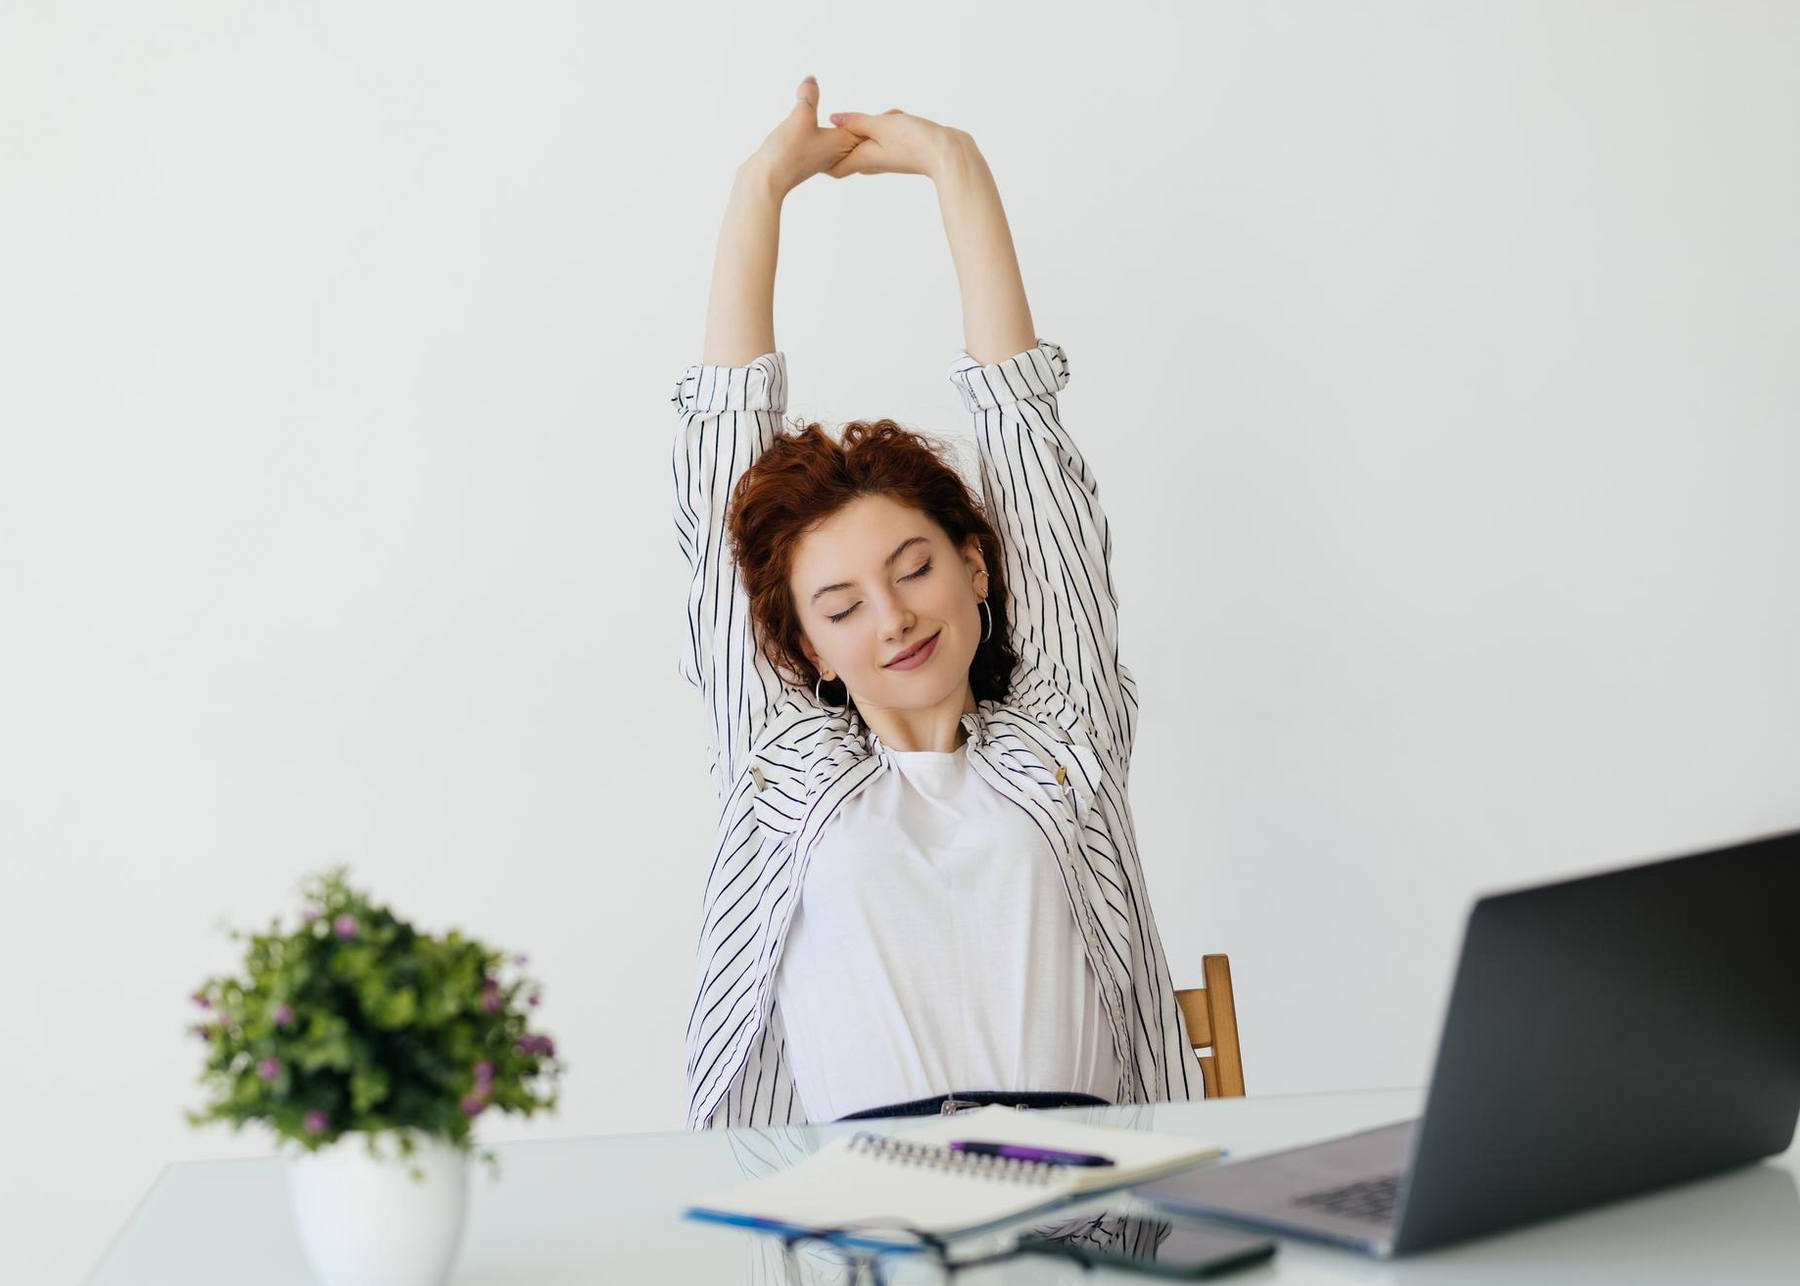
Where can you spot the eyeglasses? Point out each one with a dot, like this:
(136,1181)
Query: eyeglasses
(825,1257)
(840,1257)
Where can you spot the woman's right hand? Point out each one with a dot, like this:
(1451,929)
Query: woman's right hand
(893,143)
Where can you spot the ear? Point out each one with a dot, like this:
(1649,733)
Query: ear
(973,558)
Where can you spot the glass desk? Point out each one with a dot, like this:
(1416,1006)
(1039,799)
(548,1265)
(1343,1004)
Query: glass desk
(608,1209)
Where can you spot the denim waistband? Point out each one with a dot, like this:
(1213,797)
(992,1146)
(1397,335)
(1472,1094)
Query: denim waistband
(945,1104)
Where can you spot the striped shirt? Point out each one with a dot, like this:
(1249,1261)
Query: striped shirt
(782,764)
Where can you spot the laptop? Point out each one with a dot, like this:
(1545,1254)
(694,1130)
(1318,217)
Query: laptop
(1605,1036)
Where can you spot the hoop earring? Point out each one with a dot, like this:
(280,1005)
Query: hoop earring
(827,704)
(990,620)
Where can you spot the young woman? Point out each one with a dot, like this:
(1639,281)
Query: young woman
(925,889)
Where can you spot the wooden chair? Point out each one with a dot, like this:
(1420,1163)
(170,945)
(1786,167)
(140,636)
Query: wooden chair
(1211,1019)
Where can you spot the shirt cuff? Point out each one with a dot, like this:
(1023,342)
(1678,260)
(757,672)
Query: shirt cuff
(759,386)
(1035,372)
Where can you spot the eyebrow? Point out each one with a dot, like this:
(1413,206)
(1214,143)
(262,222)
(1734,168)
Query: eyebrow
(849,584)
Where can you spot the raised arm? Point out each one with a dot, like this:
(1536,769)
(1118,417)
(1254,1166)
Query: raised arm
(996,318)
(1042,498)
(740,310)
(729,407)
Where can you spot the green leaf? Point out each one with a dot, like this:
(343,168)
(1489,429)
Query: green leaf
(368,1086)
(398,1008)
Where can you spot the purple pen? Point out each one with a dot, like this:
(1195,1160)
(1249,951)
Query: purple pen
(1022,1153)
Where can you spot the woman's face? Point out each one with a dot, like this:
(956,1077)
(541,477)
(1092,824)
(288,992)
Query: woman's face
(873,581)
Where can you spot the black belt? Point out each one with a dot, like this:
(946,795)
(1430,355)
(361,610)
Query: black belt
(962,1100)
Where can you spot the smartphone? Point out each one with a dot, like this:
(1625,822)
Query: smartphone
(1142,1244)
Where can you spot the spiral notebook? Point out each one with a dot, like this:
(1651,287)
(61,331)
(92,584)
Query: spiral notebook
(913,1178)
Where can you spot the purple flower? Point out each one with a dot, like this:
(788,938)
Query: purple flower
(520,959)
(490,998)
(473,1104)
(202,1001)
(283,1015)
(532,1044)
(345,925)
(204,1033)
(484,1073)
(316,1121)
(534,1000)
(269,1068)
(310,914)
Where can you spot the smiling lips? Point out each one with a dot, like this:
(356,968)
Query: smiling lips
(915,654)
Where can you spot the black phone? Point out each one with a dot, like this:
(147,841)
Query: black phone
(1139,1243)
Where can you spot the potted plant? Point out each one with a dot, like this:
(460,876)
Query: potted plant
(370,1049)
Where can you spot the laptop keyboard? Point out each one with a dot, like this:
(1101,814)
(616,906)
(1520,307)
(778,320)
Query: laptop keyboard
(1371,1199)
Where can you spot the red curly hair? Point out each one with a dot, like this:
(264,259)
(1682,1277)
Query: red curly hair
(801,480)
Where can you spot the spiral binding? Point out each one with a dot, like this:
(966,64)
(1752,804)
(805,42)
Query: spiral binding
(934,1156)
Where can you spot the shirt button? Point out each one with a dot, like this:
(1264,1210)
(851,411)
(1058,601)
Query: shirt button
(756,776)
(1061,774)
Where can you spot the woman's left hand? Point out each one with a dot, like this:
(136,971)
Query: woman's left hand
(797,148)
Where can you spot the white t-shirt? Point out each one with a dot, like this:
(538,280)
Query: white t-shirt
(934,950)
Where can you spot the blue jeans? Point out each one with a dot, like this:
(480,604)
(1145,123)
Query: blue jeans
(935,1105)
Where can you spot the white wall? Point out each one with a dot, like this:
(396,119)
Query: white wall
(1436,362)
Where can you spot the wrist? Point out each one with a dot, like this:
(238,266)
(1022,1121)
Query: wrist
(953,152)
(757,178)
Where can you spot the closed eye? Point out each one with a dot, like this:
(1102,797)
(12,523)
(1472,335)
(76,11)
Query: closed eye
(914,576)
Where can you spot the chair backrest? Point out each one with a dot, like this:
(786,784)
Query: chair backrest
(1211,1017)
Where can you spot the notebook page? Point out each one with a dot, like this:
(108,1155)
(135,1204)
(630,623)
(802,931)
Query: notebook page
(1138,1154)
(844,1183)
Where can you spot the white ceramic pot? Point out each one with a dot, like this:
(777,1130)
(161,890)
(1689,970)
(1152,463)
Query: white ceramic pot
(365,1221)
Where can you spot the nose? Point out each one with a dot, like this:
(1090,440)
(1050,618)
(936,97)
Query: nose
(892,614)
